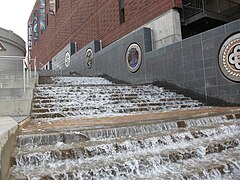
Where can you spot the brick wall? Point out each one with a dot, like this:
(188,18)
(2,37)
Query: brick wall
(82,21)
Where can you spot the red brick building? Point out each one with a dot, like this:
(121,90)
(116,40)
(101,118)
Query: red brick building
(82,21)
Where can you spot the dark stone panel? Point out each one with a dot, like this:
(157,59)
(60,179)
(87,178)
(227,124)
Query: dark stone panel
(207,35)
(186,51)
(197,65)
(199,74)
(219,31)
(187,43)
(221,80)
(199,83)
(211,81)
(189,84)
(218,41)
(235,99)
(232,27)
(197,52)
(235,89)
(153,54)
(208,44)
(209,53)
(97,45)
(212,91)
(189,76)
(161,51)
(211,71)
(179,76)
(188,67)
(224,90)
(196,39)
(173,47)
(210,62)
(147,39)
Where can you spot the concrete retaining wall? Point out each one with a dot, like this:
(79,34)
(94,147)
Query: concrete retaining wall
(12,94)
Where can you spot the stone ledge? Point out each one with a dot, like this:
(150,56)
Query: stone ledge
(8,127)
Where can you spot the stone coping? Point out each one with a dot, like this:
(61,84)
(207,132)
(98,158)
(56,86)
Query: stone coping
(8,127)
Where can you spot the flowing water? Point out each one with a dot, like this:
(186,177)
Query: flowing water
(194,148)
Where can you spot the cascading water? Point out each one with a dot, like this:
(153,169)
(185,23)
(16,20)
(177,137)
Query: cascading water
(194,148)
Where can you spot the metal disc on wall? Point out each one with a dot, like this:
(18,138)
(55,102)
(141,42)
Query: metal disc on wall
(67,59)
(133,57)
(89,58)
(229,58)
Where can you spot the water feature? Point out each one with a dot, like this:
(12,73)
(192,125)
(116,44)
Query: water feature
(191,148)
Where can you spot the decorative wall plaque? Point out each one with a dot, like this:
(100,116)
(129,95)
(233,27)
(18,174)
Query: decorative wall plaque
(134,57)
(89,58)
(229,58)
(67,59)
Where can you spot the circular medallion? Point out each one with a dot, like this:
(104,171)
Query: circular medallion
(89,58)
(134,57)
(229,58)
(67,59)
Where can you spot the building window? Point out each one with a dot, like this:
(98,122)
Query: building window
(57,5)
(121,11)
(47,19)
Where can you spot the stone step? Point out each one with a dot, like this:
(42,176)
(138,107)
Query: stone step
(79,80)
(107,88)
(92,149)
(181,163)
(59,101)
(105,91)
(106,110)
(79,106)
(48,106)
(126,130)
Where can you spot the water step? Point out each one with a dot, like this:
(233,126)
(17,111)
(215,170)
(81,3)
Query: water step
(91,149)
(140,130)
(135,165)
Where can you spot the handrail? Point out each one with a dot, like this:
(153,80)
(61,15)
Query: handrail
(26,67)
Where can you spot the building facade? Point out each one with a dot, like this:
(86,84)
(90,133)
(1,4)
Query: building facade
(83,21)
(189,45)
